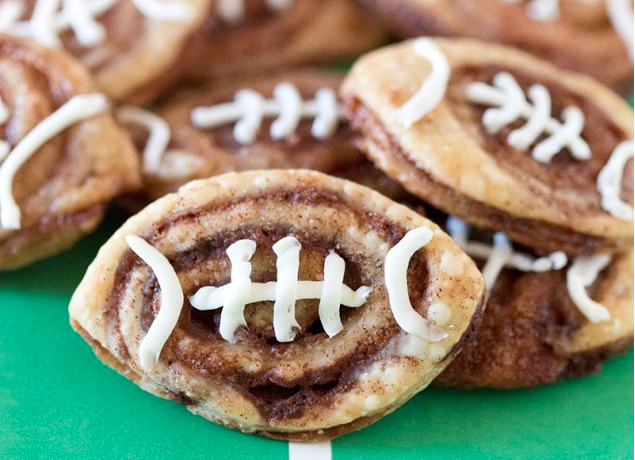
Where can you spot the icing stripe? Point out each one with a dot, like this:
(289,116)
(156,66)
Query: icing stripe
(240,253)
(459,231)
(510,104)
(88,31)
(171,301)
(249,109)
(329,308)
(310,451)
(10,12)
(620,13)
(582,274)
(544,10)
(396,280)
(165,10)
(609,182)
(284,293)
(233,11)
(288,266)
(499,257)
(432,91)
(42,26)
(77,109)
(159,134)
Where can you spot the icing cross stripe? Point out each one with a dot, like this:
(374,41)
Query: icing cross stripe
(159,134)
(233,11)
(284,292)
(511,105)
(77,109)
(50,18)
(249,109)
(581,274)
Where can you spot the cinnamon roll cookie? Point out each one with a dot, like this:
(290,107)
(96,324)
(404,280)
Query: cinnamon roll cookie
(500,139)
(288,120)
(289,304)
(62,156)
(589,36)
(130,46)
(252,36)
(546,318)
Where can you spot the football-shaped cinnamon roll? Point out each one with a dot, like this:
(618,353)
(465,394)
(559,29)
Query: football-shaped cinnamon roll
(252,36)
(547,318)
(131,46)
(288,120)
(286,303)
(62,156)
(592,37)
(501,139)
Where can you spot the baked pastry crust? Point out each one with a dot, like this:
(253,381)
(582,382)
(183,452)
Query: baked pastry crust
(305,33)
(310,389)
(448,159)
(63,189)
(532,334)
(580,26)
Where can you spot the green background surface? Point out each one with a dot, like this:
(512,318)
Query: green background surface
(58,401)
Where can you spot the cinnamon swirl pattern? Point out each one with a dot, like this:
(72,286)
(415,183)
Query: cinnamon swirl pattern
(249,297)
(550,29)
(131,46)
(249,37)
(62,159)
(543,155)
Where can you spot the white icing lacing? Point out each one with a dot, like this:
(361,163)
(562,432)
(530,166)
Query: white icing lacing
(460,232)
(284,292)
(77,109)
(432,91)
(396,279)
(171,301)
(233,11)
(610,182)
(544,10)
(621,15)
(249,108)
(50,18)
(4,117)
(582,274)
(511,105)
(158,137)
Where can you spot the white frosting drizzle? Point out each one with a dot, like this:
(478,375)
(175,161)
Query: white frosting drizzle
(621,15)
(233,11)
(75,110)
(159,134)
(609,182)
(171,301)
(499,257)
(48,20)
(396,279)
(249,109)
(432,91)
(459,231)
(582,274)
(544,10)
(288,267)
(284,292)
(509,99)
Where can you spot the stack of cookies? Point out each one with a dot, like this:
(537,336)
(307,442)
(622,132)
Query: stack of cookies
(311,248)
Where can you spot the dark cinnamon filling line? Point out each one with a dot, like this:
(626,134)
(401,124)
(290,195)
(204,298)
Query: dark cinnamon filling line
(274,398)
(551,237)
